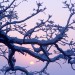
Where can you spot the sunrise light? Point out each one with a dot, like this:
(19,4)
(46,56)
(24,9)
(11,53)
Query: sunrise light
(32,63)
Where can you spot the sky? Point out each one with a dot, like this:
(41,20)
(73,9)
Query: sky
(60,16)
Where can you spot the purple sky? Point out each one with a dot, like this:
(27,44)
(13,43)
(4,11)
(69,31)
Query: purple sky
(60,15)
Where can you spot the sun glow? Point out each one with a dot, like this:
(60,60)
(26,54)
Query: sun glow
(32,63)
